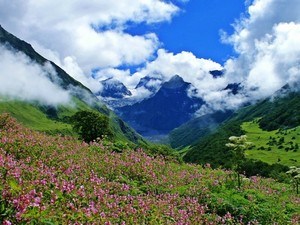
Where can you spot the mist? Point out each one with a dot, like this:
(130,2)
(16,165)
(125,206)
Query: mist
(22,79)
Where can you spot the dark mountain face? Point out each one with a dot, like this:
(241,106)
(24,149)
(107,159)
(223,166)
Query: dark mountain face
(234,88)
(150,83)
(167,109)
(114,89)
(216,73)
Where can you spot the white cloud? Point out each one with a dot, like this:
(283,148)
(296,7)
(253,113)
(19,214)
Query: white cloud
(268,44)
(192,69)
(73,29)
(22,79)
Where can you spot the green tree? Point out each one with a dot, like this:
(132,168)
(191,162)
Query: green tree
(238,145)
(90,125)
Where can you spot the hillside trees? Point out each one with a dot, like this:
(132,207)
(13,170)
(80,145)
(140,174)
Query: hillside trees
(90,125)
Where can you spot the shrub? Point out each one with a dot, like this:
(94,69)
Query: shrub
(90,125)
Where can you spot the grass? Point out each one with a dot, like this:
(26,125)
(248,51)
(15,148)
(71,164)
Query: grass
(31,116)
(278,146)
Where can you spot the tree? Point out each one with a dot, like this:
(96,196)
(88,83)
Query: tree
(90,125)
(238,145)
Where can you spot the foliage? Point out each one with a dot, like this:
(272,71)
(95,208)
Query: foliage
(295,172)
(211,148)
(59,180)
(284,113)
(273,147)
(90,125)
(279,112)
(238,146)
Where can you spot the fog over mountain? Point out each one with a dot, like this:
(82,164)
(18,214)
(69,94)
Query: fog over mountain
(23,79)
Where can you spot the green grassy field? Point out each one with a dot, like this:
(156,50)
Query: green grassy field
(27,114)
(278,146)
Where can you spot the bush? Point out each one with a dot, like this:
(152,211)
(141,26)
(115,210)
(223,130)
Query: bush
(90,125)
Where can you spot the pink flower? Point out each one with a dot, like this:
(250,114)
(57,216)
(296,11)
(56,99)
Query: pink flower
(6,222)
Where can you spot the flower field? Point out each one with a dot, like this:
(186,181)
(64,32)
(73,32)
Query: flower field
(60,180)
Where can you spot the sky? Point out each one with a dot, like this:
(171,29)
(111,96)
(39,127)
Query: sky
(196,28)
(256,42)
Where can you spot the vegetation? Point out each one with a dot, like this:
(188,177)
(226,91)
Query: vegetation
(55,120)
(295,173)
(278,146)
(91,125)
(274,163)
(195,129)
(59,180)
(238,146)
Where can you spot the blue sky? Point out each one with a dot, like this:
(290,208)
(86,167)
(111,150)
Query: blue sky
(197,28)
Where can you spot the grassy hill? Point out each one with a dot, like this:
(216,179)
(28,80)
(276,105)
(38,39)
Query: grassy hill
(278,112)
(59,180)
(53,120)
(278,146)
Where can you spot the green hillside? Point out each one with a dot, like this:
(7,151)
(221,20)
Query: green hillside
(190,132)
(278,146)
(279,112)
(54,120)
(33,117)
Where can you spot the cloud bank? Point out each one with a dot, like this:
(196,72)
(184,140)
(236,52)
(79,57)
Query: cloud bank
(22,79)
(267,42)
(88,33)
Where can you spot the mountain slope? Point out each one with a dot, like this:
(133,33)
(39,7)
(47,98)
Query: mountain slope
(280,111)
(48,118)
(114,89)
(167,109)
(195,129)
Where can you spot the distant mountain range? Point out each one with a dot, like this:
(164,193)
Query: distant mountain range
(113,88)
(167,109)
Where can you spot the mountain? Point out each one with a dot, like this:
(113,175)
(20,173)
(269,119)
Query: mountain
(190,132)
(216,73)
(280,111)
(52,119)
(113,88)
(235,88)
(150,83)
(170,107)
